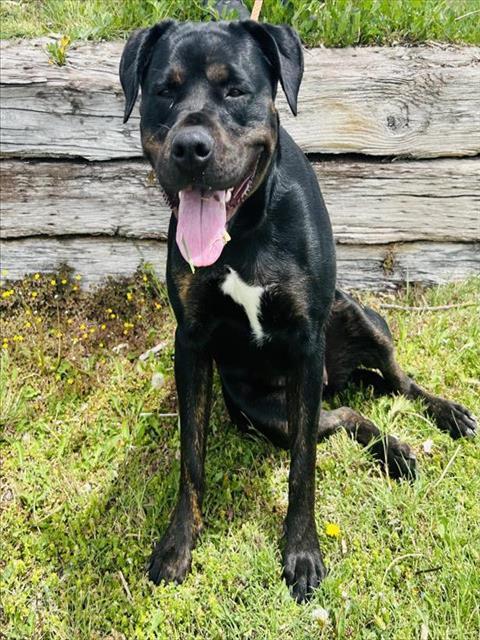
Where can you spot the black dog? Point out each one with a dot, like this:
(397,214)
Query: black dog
(251,273)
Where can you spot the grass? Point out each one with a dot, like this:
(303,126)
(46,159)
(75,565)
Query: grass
(90,467)
(333,23)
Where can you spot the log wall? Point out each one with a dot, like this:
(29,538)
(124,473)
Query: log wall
(401,178)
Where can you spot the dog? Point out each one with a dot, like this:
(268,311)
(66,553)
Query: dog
(251,274)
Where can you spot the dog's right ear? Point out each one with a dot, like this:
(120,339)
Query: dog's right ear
(135,60)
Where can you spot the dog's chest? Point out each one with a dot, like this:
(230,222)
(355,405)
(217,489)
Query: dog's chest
(273,313)
(236,312)
(248,296)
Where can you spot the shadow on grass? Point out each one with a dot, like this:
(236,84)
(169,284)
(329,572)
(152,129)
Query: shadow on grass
(101,551)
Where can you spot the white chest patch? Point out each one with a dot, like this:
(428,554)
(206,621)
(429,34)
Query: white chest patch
(249,296)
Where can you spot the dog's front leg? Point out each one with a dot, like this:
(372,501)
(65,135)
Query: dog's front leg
(302,560)
(172,556)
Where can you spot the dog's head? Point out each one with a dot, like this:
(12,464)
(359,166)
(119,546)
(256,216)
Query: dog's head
(208,121)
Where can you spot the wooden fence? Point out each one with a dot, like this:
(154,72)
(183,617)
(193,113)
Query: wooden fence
(392,133)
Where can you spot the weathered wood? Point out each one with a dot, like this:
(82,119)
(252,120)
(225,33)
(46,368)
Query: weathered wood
(94,258)
(369,202)
(419,102)
(375,203)
(390,266)
(70,198)
(372,267)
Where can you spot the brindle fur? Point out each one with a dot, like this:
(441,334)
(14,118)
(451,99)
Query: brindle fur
(281,240)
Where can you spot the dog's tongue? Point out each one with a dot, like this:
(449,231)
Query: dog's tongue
(201,226)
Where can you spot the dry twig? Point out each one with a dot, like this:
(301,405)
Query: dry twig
(443,307)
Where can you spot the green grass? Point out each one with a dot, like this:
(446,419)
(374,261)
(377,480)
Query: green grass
(90,470)
(334,23)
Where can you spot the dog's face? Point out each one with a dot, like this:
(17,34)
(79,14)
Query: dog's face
(208,120)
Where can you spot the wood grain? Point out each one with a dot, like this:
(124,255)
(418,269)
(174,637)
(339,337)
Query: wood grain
(369,202)
(359,267)
(420,102)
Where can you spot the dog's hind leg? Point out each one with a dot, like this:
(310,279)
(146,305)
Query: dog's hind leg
(396,457)
(449,416)
(358,340)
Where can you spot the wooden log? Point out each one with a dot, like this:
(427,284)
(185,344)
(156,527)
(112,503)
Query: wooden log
(400,101)
(373,267)
(94,258)
(73,198)
(375,203)
(369,202)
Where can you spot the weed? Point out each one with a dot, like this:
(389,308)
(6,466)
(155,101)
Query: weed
(58,51)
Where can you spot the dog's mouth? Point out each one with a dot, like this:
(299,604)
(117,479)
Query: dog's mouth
(202,218)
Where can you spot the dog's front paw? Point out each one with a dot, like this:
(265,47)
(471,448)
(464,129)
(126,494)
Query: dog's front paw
(454,419)
(170,561)
(303,570)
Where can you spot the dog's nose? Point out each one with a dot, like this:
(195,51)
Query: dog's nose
(192,148)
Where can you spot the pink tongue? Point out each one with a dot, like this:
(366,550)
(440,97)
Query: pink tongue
(201,226)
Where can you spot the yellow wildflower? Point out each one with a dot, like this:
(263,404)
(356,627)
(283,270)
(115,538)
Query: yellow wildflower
(78,277)
(69,321)
(145,279)
(129,295)
(53,282)
(157,305)
(101,344)
(4,272)
(7,293)
(17,338)
(28,324)
(332,529)
(103,326)
(74,288)
(83,326)
(69,380)
(36,276)
(64,281)
(33,294)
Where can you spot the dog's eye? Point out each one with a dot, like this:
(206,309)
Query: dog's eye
(164,92)
(235,92)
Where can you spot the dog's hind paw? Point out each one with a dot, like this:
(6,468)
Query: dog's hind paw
(456,420)
(401,462)
(397,458)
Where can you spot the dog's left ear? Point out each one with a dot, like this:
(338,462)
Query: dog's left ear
(135,60)
(283,49)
